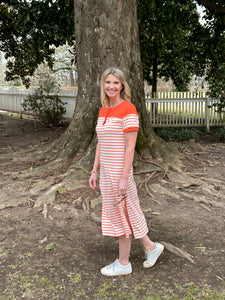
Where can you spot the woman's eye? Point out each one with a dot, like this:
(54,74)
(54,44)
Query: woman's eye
(108,82)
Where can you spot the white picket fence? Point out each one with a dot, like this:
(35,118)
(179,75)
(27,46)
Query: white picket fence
(11,99)
(166,110)
(184,112)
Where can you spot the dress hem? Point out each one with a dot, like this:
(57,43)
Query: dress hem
(136,238)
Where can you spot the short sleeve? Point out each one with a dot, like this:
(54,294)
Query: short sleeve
(130,120)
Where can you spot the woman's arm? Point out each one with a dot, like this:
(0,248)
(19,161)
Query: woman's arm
(93,178)
(130,142)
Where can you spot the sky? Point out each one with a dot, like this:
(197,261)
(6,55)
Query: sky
(201,12)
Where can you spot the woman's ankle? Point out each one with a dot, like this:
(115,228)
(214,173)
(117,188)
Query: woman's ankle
(124,262)
(150,247)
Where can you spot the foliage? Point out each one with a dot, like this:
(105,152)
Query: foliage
(29,29)
(216,58)
(217,90)
(172,41)
(179,134)
(45,104)
(185,134)
(17,82)
(63,69)
(221,134)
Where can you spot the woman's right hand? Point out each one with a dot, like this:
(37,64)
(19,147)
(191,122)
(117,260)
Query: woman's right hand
(93,181)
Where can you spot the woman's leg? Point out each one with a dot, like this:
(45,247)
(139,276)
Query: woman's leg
(147,243)
(124,249)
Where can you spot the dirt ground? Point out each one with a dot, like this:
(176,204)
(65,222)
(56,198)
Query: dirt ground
(60,256)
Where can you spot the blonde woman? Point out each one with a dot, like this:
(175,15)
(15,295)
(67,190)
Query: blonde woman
(122,217)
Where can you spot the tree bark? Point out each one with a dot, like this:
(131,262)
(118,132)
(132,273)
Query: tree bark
(106,35)
(154,75)
(154,106)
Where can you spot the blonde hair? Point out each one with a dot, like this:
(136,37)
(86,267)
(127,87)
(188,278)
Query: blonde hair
(125,92)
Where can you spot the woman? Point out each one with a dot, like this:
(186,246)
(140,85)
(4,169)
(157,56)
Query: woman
(122,216)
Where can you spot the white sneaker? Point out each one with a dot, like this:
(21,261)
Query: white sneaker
(152,256)
(116,268)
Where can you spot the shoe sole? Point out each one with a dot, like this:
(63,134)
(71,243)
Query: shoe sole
(124,273)
(154,262)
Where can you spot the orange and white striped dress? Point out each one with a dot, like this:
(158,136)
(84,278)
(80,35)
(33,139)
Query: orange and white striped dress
(118,217)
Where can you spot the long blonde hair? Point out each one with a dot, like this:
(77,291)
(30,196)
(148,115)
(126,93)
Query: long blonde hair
(125,92)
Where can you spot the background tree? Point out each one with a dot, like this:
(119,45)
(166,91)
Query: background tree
(167,30)
(214,16)
(172,41)
(28,29)
(63,68)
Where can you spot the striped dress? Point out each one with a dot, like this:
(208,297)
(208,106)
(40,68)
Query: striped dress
(118,217)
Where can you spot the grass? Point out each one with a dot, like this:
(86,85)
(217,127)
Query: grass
(41,286)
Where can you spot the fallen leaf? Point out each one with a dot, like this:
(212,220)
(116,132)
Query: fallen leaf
(49,246)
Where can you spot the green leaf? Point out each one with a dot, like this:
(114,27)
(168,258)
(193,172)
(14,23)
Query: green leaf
(49,246)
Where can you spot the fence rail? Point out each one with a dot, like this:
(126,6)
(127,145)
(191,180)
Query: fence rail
(167,110)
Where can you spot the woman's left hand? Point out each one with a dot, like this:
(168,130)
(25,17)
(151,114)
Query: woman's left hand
(93,181)
(123,185)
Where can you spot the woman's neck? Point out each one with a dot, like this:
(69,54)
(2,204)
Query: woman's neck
(115,102)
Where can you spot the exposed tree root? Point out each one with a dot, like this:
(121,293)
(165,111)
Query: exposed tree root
(95,218)
(202,199)
(82,169)
(150,162)
(150,194)
(206,207)
(147,179)
(42,183)
(147,172)
(159,189)
(178,251)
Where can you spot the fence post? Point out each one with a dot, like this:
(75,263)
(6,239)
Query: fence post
(207,114)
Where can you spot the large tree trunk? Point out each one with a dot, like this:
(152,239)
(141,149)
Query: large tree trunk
(106,35)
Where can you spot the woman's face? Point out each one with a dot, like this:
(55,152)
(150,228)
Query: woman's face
(112,87)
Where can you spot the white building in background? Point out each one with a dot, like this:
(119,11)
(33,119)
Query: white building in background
(2,69)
